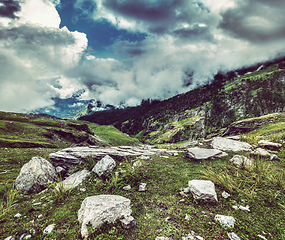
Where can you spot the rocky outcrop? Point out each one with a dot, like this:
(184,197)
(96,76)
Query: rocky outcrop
(35,175)
(102,208)
(241,161)
(204,190)
(225,144)
(203,153)
(68,158)
(105,166)
(225,221)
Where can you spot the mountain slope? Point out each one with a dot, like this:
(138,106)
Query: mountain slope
(227,99)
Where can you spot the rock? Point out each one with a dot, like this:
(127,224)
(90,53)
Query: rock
(261,151)
(262,237)
(105,166)
(142,187)
(189,144)
(35,175)
(187,218)
(144,157)
(137,164)
(10,238)
(49,229)
(203,189)
(161,238)
(225,144)
(274,157)
(18,215)
(127,188)
(246,209)
(173,153)
(202,153)
(128,222)
(225,221)
(225,194)
(102,208)
(233,236)
(70,157)
(74,180)
(269,145)
(25,236)
(186,190)
(240,161)
(60,171)
(191,236)
(40,216)
(236,137)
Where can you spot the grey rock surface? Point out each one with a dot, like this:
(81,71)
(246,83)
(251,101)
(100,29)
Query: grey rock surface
(102,208)
(128,222)
(203,189)
(274,157)
(74,180)
(261,151)
(105,166)
(240,161)
(225,144)
(269,145)
(142,187)
(70,157)
(49,229)
(189,144)
(203,153)
(35,175)
(225,221)
(162,238)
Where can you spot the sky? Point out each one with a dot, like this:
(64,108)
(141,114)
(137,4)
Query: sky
(123,51)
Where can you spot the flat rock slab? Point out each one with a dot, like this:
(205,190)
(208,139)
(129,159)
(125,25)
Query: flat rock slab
(102,208)
(70,157)
(225,144)
(73,180)
(202,153)
(269,145)
(35,175)
(203,189)
(225,221)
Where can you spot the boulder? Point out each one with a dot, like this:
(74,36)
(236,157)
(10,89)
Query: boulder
(203,189)
(202,153)
(269,145)
(74,180)
(240,161)
(35,176)
(105,166)
(102,208)
(261,152)
(225,144)
(225,221)
(274,157)
(70,157)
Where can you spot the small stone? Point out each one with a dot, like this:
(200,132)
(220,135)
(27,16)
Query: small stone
(137,164)
(49,229)
(186,190)
(233,236)
(225,194)
(161,238)
(36,204)
(127,188)
(187,218)
(225,221)
(262,237)
(167,219)
(142,187)
(244,208)
(10,238)
(32,231)
(25,236)
(200,238)
(18,215)
(182,200)
(144,157)
(82,189)
(128,222)
(183,194)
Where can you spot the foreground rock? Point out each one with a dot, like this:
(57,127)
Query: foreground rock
(68,158)
(203,189)
(202,153)
(225,221)
(74,180)
(35,175)
(105,166)
(225,144)
(261,152)
(102,208)
(269,145)
(241,161)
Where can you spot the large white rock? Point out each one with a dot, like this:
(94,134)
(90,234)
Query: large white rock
(73,180)
(105,166)
(225,221)
(102,208)
(203,189)
(35,175)
(225,144)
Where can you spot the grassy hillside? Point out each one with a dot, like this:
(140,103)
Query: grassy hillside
(161,210)
(227,99)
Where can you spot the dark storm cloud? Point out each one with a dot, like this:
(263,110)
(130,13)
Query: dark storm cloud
(194,33)
(129,48)
(256,20)
(8,8)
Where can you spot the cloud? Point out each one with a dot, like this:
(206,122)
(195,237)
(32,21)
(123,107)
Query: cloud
(8,8)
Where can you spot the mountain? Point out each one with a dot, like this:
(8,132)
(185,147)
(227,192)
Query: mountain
(232,96)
